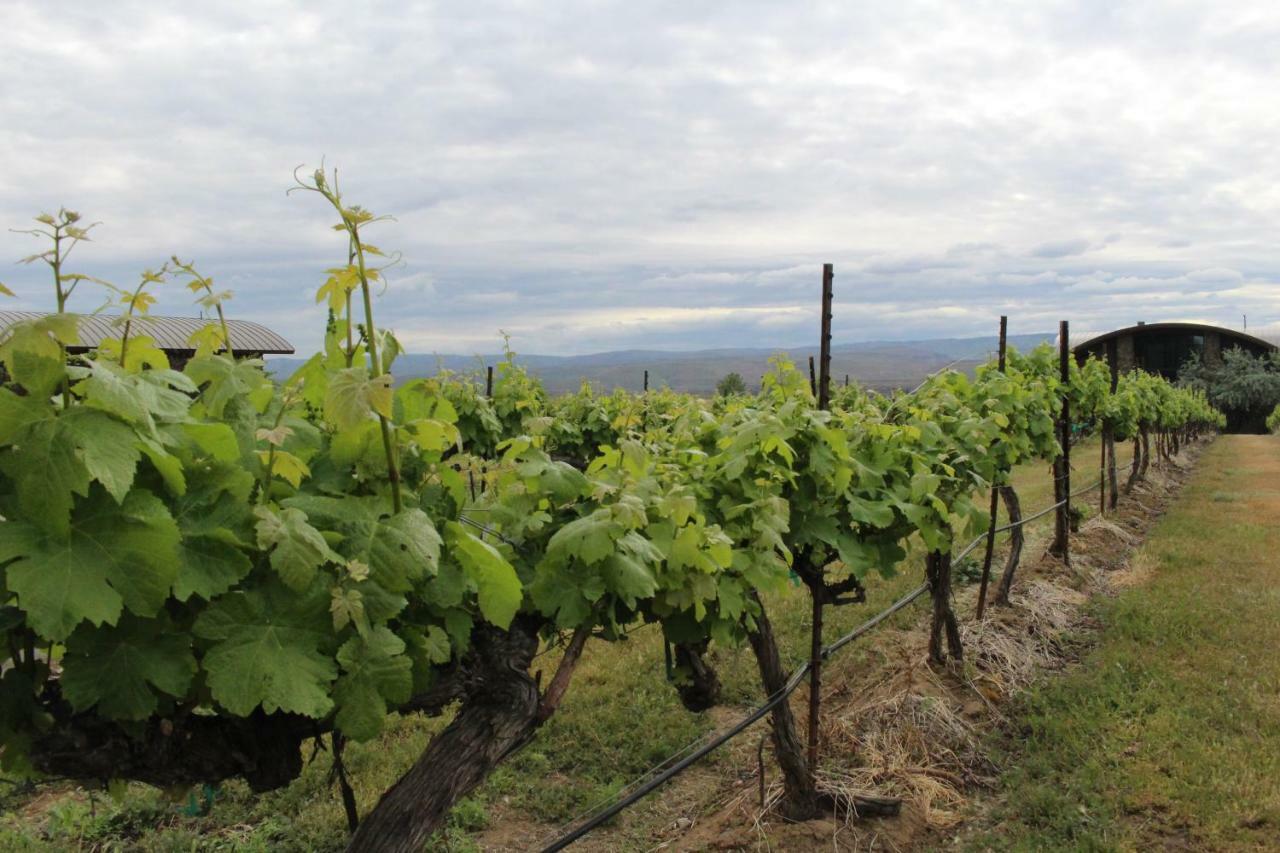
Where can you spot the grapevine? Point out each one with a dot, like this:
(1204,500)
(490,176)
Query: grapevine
(201,569)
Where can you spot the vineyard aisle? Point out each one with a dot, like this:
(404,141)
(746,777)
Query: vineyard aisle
(1168,734)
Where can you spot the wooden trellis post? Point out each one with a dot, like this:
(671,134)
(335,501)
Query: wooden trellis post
(995,492)
(1062,534)
(818,590)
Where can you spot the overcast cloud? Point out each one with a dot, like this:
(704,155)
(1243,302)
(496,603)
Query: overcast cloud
(610,175)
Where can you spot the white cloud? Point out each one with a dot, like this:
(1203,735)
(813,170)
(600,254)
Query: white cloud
(627,174)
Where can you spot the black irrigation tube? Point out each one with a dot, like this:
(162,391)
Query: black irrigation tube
(865,627)
(720,740)
(680,766)
(790,687)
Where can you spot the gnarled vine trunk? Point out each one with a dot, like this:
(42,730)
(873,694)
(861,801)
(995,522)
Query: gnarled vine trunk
(699,686)
(1013,508)
(800,801)
(499,714)
(1135,470)
(1145,435)
(938,573)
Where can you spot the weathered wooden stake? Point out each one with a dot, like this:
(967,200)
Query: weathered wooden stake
(813,379)
(817,591)
(824,350)
(1108,438)
(1102,474)
(646,380)
(488,382)
(995,492)
(1061,543)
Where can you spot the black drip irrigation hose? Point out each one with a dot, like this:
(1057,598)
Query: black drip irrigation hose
(720,740)
(782,695)
(680,766)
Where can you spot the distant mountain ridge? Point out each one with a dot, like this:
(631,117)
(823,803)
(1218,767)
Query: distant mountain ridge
(883,365)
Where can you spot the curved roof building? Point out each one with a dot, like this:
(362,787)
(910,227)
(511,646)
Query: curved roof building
(1164,347)
(171,334)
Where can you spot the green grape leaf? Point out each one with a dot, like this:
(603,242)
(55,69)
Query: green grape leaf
(108,448)
(500,593)
(209,567)
(54,457)
(874,513)
(32,354)
(119,669)
(347,608)
(436,645)
(561,481)
(216,523)
(732,599)
(629,579)
(590,538)
(338,286)
(168,466)
(269,650)
(313,378)
(375,672)
(298,549)
(433,436)
(558,594)
(216,439)
(285,465)
(448,588)
(353,396)
(112,556)
(19,412)
(137,398)
(47,471)
(427,650)
(223,379)
(399,549)
(678,507)
(458,623)
(359,444)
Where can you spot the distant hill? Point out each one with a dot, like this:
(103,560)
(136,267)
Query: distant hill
(883,365)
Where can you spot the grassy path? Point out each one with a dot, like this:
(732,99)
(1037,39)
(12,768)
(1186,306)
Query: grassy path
(1167,737)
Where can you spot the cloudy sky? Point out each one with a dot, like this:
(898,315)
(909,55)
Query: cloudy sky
(606,175)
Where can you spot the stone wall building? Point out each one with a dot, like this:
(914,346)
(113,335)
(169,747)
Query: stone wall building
(1164,347)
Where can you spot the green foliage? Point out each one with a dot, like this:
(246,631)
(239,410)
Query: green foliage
(210,542)
(730,385)
(270,647)
(110,557)
(1244,385)
(121,669)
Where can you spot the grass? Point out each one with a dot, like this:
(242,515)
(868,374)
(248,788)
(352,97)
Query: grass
(1168,735)
(619,718)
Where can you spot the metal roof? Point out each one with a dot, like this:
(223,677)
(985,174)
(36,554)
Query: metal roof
(172,334)
(1199,328)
